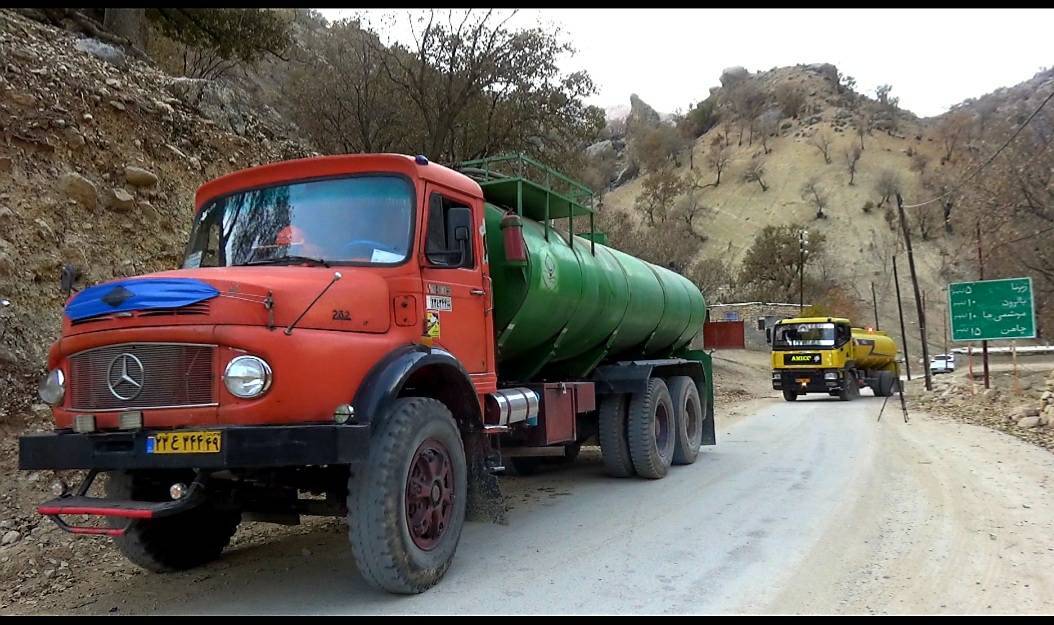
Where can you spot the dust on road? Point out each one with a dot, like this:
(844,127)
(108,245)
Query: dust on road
(802,507)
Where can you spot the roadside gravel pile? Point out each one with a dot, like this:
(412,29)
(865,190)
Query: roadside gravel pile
(1026,412)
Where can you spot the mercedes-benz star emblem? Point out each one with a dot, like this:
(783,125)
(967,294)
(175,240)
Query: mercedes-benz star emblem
(125,377)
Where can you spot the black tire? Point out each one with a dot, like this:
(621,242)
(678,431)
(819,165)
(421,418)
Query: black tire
(851,388)
(614,443)
(887,383)
(174,543)
(689,413)
(386,551)
(652,430)
(789,395)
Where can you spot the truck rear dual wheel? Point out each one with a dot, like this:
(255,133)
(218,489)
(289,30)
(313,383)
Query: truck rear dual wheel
(651,430)
(614,442)
(406,506)
(887,384)
(689,414)
(174,543)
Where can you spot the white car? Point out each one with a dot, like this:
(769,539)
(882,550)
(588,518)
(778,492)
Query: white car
(942,363)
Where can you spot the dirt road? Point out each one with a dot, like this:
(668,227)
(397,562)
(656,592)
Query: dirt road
(802,507)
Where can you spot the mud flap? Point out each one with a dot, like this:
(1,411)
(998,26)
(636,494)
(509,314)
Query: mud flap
(485,501)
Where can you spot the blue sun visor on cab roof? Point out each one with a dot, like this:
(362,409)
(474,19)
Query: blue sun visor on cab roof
(138,294)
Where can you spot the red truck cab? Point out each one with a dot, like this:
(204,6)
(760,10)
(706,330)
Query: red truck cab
(314,294)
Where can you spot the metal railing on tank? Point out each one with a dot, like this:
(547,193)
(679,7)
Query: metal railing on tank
(534,190)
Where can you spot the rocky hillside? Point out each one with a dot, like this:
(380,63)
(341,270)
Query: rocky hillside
(100,155)
(860,237)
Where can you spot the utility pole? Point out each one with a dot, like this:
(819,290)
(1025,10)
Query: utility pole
(926,334)
(803,241)
(946,313)
(900,311)
(918,296)
(980,269)
(874,302)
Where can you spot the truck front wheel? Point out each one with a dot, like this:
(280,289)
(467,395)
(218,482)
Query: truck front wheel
(174,543)
(789,395)
(851,388)
(406,506)
(652,433)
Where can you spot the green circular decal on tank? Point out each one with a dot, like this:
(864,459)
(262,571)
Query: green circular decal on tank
(549,271)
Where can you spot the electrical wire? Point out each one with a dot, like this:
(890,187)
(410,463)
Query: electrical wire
(993,156)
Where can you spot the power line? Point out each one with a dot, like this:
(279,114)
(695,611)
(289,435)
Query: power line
(993,156)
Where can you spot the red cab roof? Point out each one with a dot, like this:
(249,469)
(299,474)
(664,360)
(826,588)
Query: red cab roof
(323,166)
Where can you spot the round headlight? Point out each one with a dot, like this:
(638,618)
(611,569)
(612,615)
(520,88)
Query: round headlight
(53,387)
(247,376)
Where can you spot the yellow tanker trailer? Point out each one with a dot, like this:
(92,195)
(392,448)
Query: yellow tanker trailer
(828,355)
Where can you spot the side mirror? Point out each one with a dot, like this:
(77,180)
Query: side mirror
(768,335)
(459,225)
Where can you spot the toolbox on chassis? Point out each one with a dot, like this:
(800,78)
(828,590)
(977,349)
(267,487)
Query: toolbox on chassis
(367,336)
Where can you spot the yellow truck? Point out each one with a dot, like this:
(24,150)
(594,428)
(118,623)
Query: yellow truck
(828,355)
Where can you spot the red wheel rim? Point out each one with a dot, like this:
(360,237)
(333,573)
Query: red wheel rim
(429,494)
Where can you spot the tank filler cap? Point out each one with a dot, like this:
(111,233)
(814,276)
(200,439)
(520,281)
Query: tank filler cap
(420,159)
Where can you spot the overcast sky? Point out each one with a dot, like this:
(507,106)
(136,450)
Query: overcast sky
(671,57)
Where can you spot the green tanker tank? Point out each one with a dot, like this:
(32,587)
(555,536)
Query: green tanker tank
(564,305)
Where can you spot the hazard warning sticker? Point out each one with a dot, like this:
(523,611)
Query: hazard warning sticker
(432,325)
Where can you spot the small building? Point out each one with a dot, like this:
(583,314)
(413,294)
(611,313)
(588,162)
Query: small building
(743,325)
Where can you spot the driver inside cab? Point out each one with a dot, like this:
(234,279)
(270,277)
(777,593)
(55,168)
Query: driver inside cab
(293,240)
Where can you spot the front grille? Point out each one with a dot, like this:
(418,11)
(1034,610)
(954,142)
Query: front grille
(142,375)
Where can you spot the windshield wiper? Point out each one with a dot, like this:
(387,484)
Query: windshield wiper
(289,260)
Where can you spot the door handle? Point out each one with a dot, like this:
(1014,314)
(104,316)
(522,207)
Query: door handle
(477,292)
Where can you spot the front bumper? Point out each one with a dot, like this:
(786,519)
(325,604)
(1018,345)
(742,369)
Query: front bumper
(241,447)
(814,380)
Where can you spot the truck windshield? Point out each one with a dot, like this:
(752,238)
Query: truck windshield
(353,220)
(794,335)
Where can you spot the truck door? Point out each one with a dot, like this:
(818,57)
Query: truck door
(457,296)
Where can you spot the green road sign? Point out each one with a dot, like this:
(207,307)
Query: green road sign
(992,309)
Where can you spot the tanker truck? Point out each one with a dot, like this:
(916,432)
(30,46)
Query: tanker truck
(372,337)
(829,355)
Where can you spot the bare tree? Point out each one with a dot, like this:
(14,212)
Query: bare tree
(658,192)
(925,217)
(822,142)
(887,185)
(852,157)
(951,131)
(718,157)
(748,100)
(919,161)
(688,208)
(862,126)
(814,193)
(888,105)
(768,126)
(755,171)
